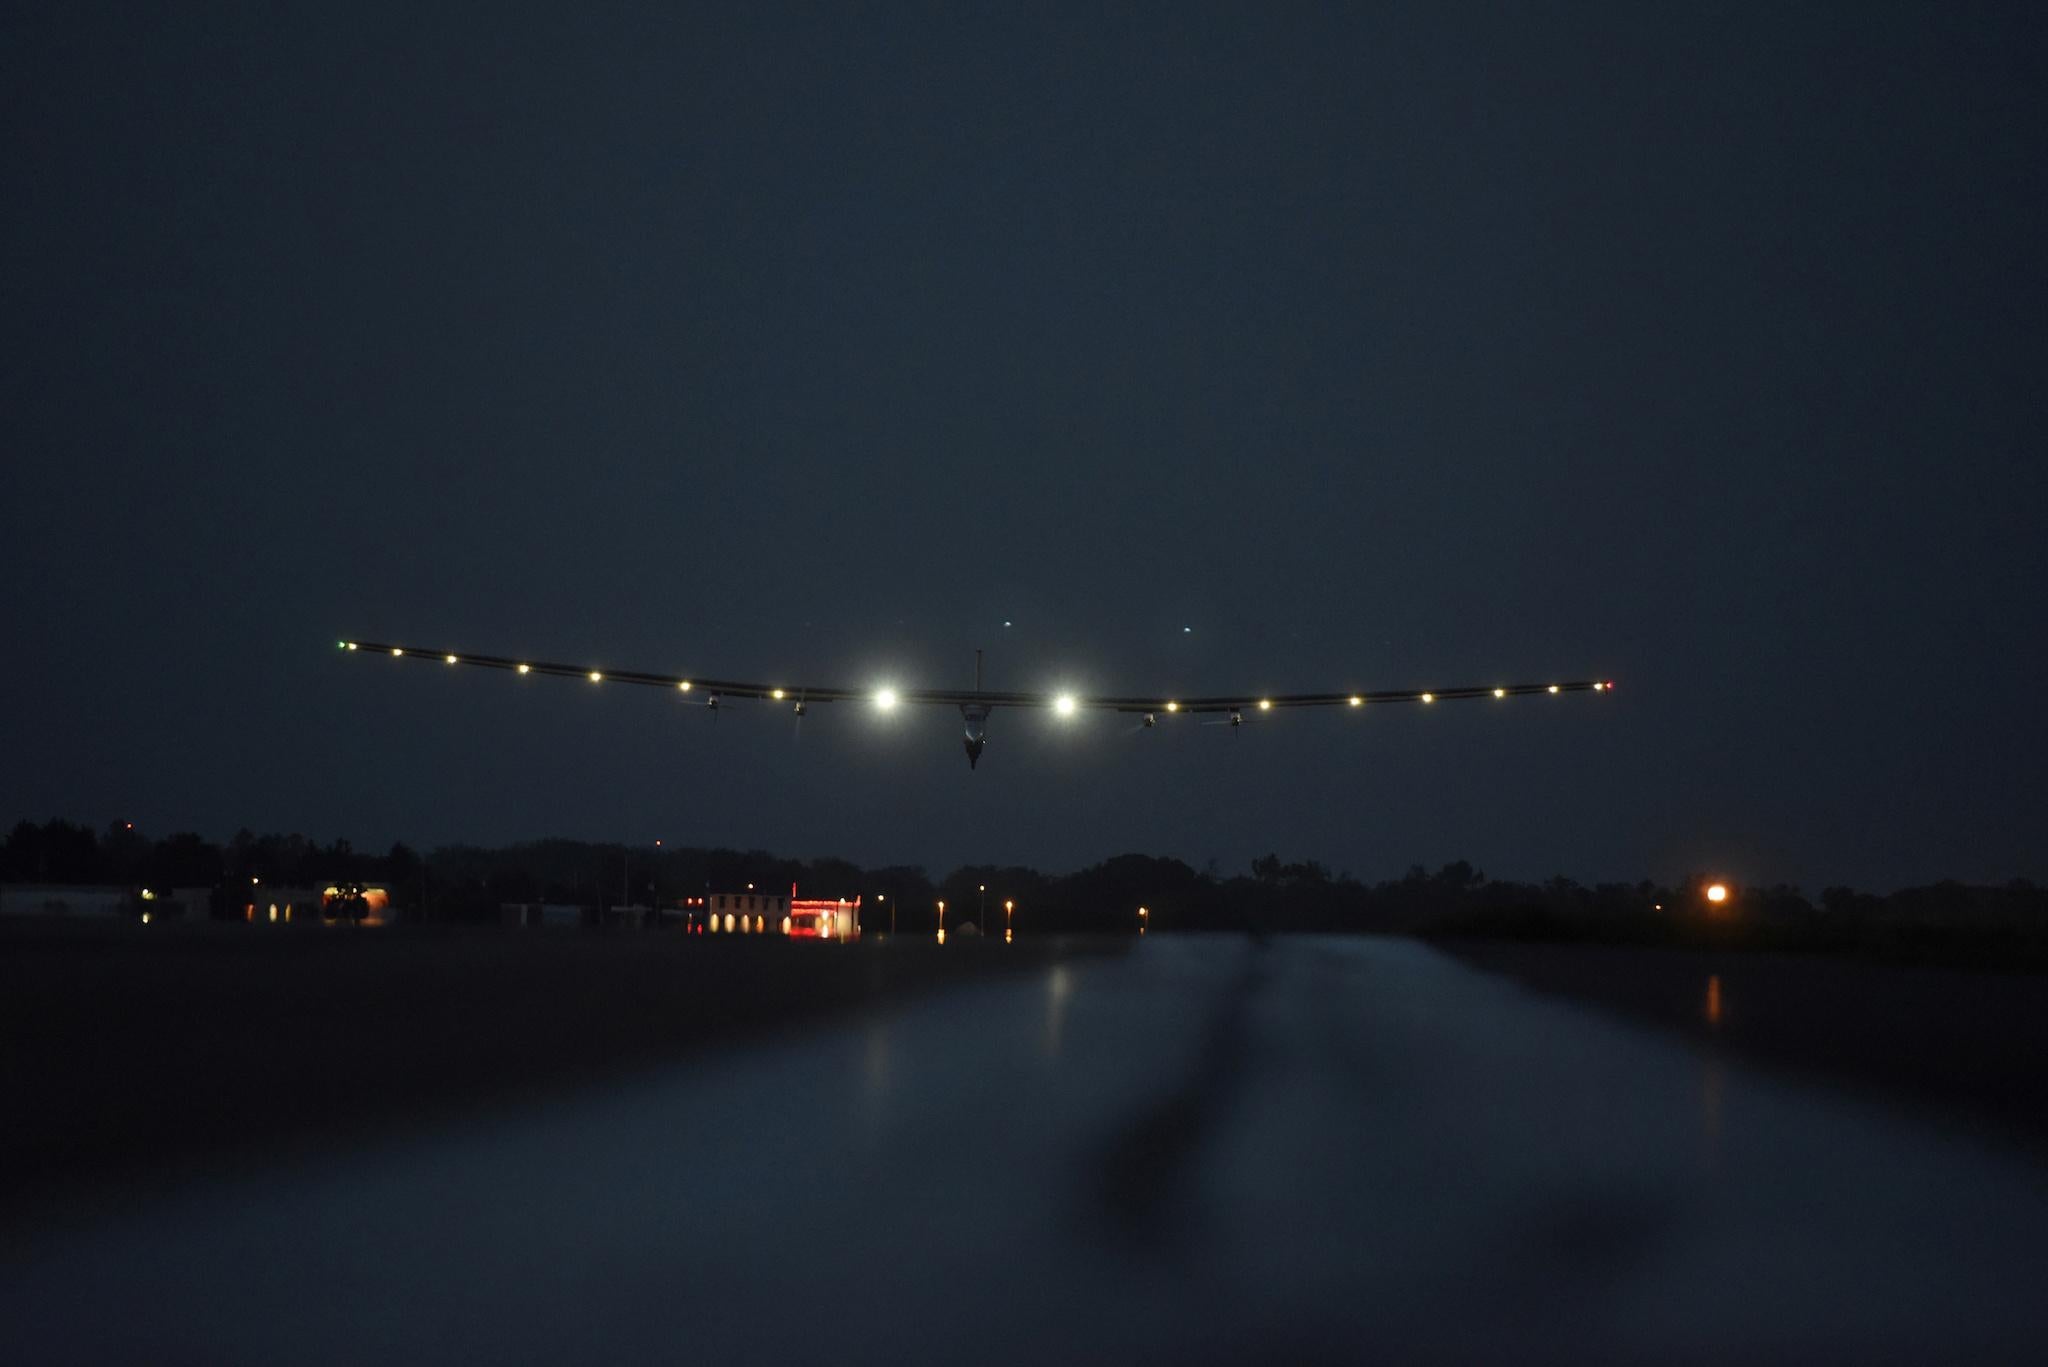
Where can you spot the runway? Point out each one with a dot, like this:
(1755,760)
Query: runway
(1212,1149)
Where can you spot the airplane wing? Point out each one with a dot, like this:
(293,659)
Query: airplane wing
(802,694)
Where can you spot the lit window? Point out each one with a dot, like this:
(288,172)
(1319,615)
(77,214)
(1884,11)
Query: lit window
(728,920)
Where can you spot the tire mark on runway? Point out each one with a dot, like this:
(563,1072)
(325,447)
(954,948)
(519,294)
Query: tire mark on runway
(1140,1178)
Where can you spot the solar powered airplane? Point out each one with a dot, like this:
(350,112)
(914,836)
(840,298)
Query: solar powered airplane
(976,705)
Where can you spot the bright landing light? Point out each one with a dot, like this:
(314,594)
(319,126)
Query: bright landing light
(1500,692)
(451,659)
(1265,704)
(1357,701)
(1064,704)
(596,677)
(1429,697)
(885,698)
(1717,892)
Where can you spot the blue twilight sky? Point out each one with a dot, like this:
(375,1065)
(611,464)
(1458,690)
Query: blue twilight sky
(1381,345)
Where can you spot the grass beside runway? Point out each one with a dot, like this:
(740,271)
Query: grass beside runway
(134,1057)
(1966,1048)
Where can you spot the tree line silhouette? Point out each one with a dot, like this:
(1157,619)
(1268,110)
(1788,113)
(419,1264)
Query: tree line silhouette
(1998,925)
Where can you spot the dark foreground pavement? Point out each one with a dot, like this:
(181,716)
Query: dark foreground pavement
(1209,1150)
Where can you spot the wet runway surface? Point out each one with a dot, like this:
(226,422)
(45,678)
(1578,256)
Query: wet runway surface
(1211,1149)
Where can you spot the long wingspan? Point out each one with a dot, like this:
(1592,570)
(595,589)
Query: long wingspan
(802,694)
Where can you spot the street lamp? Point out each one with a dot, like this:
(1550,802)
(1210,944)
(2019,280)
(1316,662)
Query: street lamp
(1008,907)
(1143,917)
(883,897)
(942,920)
(981,913)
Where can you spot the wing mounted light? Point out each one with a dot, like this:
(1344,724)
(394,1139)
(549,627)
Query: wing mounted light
(976,704)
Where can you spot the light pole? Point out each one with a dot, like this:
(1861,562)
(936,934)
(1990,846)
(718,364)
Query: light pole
(1143,916)
(654,889)
(942,920)
(1008,907)
(981,910)
(884,897)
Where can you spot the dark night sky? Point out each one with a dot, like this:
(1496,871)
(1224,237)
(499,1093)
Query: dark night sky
(1384,346)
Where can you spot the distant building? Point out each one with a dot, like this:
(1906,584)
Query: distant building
(818,920)
(746,913)
(771,913)
(550,915)
(57,899)
(187,904)
(267,905)
(60,899)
